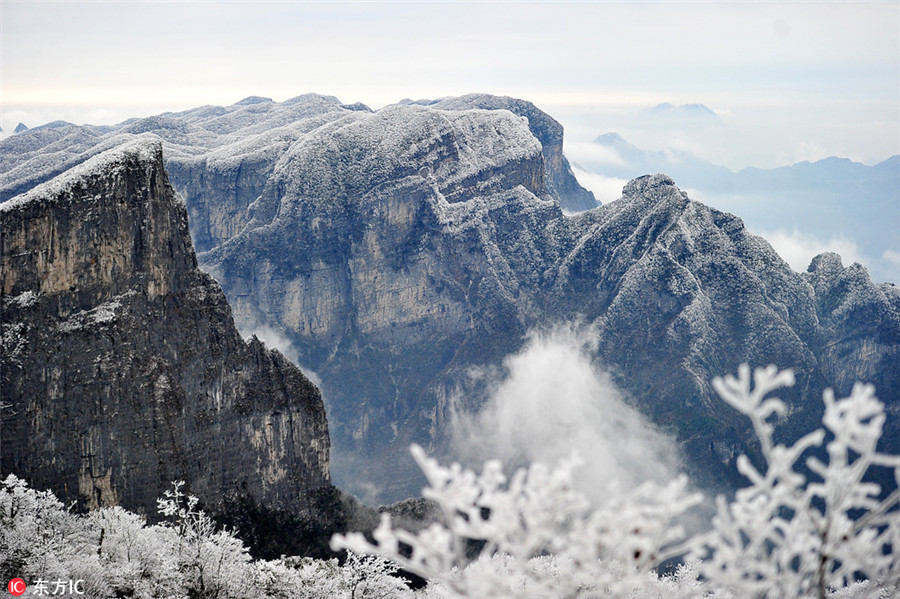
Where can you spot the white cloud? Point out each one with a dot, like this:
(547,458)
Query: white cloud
(552,401)
(889,267)
(798,249)
(606,189)
(591,153)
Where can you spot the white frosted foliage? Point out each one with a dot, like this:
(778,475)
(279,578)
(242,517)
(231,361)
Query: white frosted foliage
(784,535)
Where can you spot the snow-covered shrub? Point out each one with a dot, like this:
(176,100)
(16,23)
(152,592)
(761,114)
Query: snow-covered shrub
(136,560)
(212,563)
(370,577)
(786,536)
(361,577)
(39,536)
(607,550)
(782,536)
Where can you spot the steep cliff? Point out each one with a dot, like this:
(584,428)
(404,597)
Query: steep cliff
(394,284)
(122,369)
(561,182)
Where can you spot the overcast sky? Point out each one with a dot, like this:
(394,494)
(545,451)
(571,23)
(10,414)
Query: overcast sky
(789,80)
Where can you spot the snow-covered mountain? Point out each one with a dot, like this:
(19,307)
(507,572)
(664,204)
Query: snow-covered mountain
(833,203)
(396,252)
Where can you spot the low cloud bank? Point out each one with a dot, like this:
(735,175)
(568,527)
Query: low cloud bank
(605,189)
(798,249)
(550,401)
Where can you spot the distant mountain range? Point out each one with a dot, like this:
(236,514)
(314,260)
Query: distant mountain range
(826,199)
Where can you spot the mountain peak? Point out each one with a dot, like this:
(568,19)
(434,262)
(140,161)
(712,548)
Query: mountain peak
(250,100)
(648,183)
(687,110)
(826,263)
(612,139)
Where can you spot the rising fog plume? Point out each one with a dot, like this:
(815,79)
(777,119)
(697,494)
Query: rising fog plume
(550,401)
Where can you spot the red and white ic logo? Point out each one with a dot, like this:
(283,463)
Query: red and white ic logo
(16,587)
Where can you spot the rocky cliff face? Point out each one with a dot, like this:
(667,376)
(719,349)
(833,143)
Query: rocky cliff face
(860,337)
(122,369)
(396,290)
(561,182)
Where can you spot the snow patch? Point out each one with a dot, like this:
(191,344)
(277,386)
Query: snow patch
(143,148)
(26,299)
(102,314)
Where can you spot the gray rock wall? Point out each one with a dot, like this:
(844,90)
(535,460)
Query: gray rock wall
(122,369)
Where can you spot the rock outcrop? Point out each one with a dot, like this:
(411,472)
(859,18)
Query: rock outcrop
(122,369)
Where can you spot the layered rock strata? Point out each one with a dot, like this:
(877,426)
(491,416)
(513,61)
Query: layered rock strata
(122,369)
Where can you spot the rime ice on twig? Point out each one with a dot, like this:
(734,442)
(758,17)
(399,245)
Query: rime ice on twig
(785,536)
(538,533)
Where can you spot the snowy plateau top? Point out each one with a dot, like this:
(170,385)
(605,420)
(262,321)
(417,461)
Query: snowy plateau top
(144,149)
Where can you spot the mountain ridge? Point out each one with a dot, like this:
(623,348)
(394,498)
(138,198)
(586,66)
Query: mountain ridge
(834,201)
(399,249)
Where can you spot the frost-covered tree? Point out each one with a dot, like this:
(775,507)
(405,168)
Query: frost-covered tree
(786,536)
(540,537)
(782,536)
(360,577)
(213,563)
(135,560)
(37,532)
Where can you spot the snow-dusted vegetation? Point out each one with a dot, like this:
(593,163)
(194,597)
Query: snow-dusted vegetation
(807,525)
(115,553)
(785,535)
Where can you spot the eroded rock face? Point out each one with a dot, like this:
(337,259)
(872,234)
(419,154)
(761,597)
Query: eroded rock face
(561,180)
(861,332)
(122,369)
(392,289)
